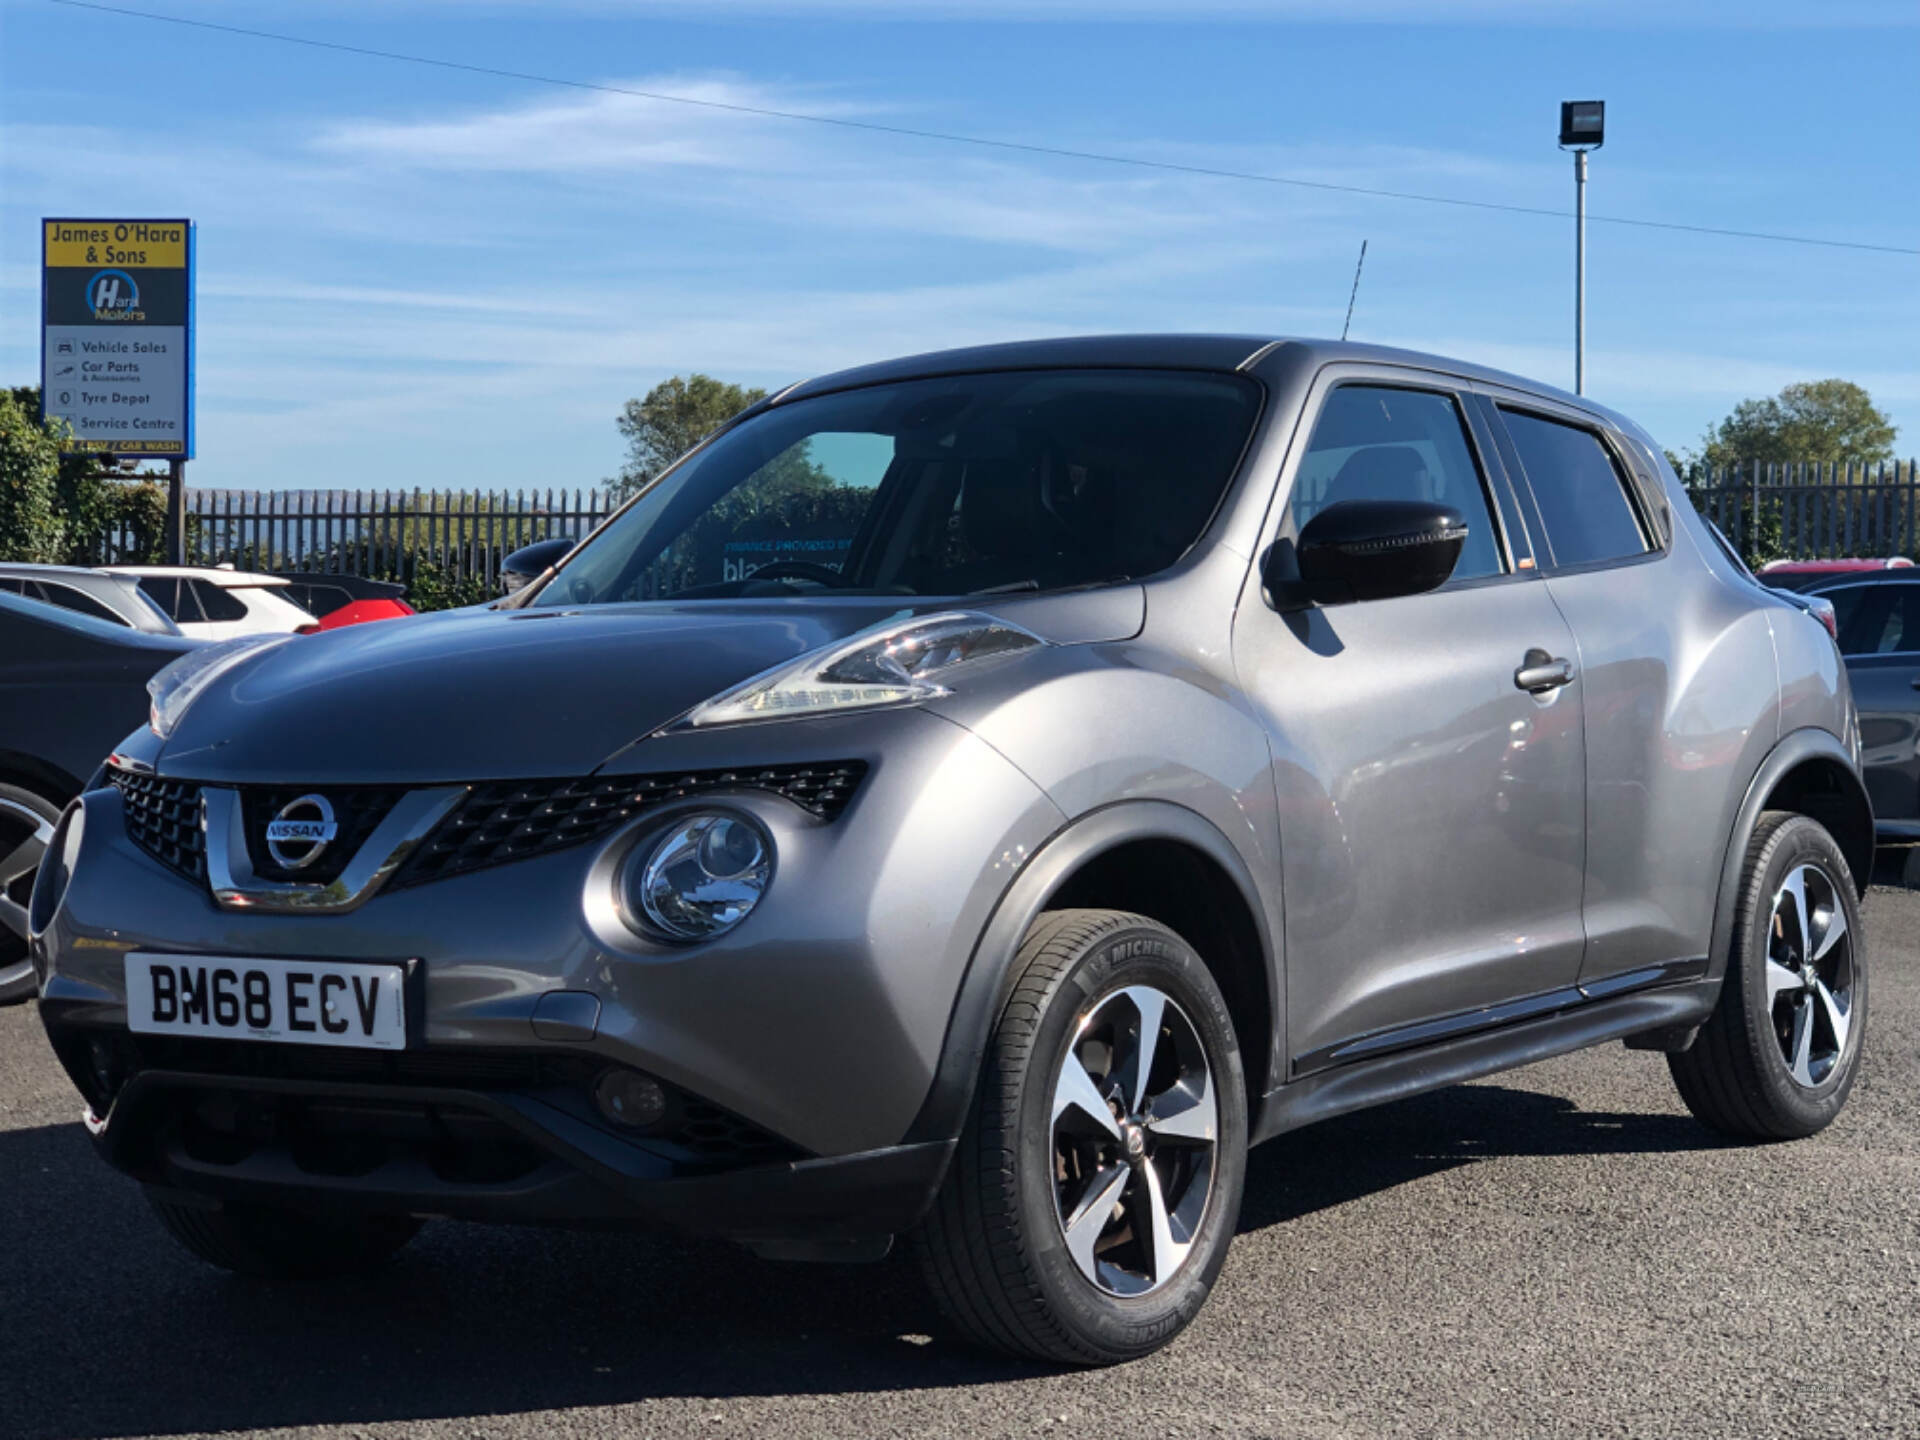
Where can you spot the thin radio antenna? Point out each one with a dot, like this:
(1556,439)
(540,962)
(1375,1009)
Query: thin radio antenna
(1356,289)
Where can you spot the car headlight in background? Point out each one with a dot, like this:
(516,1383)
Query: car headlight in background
(696,878)
(900,663)
(56,869)
(177,685)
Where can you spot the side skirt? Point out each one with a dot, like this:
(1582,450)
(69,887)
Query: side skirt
(1360,1083)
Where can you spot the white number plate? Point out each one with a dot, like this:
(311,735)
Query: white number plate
(292,1002)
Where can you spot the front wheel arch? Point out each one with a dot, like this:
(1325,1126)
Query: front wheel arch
(1046,882)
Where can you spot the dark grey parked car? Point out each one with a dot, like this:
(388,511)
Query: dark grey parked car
(71,685)
(974,798)
(1877,615)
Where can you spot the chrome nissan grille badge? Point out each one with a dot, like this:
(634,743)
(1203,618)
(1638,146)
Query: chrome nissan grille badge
(301,832)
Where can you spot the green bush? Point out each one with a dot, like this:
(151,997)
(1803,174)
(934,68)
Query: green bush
(60,508)
(32,526)
(433,586)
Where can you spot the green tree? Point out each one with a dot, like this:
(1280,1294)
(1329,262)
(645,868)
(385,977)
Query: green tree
(1816,420)
(669,420)
(31,526)
(92,498)
(679,413)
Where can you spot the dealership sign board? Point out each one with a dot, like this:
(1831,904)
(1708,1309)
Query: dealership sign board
(116,334)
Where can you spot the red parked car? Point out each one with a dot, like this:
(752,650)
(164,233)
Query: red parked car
(357,612)
(337,600)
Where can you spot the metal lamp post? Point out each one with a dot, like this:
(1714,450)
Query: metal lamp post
(1583,127)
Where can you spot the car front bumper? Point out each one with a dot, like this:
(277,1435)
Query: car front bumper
(802,1045)
(487,1155)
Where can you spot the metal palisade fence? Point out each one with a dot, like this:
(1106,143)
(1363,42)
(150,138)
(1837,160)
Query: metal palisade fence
(462,535)
(455,539)
(1811,510)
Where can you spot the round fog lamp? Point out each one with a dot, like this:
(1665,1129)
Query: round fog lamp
(699,877)
(631,1099)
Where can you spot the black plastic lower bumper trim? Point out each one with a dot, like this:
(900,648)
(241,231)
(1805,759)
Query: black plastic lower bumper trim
(582,1174)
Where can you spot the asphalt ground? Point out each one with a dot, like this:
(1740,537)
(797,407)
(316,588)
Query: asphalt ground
(1557,1251)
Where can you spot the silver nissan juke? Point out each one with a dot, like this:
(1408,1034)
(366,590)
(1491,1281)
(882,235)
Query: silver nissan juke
(971,799)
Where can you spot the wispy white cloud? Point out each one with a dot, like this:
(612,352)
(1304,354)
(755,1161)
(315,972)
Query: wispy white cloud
(469,292)
(599,131)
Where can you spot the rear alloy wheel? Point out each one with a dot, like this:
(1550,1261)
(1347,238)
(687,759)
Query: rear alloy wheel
(1810,975)
(26,829)
(1096,1187)
(1778,1056)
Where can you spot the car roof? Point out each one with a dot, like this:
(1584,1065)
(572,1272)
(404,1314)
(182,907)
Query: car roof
(120,593)
(1170,352)
(72,620)
(52,572)
(360,587)
(226,579)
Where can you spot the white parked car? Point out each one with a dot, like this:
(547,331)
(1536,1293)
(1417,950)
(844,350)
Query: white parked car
(219,602)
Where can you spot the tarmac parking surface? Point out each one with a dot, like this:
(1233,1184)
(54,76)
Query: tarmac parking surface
(1557,1251)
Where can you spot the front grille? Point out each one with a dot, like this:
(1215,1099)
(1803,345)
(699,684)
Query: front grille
(498,821)
(356,811)
(163,818)
(510,820)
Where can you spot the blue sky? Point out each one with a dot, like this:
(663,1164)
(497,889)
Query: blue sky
(410,276)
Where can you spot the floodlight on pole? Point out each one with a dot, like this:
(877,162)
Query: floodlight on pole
(1583,127)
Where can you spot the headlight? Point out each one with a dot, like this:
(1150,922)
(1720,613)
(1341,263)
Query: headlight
(901,663)
(176,686)
(698,878)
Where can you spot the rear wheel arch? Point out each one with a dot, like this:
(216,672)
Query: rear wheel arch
(1810,772)
(1148,857)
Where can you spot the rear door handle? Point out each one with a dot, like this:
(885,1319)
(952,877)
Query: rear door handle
(1540,672)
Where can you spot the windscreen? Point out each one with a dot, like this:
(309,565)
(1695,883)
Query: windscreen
(1030,480)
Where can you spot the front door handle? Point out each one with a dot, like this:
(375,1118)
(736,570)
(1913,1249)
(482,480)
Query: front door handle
(1540,672)
(1916,682)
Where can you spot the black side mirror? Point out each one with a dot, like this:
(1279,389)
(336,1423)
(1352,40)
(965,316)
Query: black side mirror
(1366,550)
(530,562)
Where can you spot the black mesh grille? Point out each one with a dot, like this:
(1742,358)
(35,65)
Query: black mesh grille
(510,820)
(356,812)
(163,817)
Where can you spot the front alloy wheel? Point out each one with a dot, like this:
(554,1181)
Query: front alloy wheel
(26,830)
(1095,1189)
(1134,1132)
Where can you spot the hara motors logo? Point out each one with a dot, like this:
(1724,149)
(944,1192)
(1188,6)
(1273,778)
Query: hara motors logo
(113,295)
(301,832)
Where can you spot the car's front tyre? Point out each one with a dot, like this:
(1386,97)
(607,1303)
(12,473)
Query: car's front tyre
(272,1243)
(27,819)
(1097,1184)
(1778,1056)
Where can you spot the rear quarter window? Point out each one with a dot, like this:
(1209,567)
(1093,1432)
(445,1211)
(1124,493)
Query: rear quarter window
(68,598)
(173,596)
(216,602)
(1580,492)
